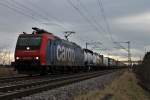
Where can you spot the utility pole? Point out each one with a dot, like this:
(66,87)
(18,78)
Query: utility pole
(86,44)
(129,52)
(67,34)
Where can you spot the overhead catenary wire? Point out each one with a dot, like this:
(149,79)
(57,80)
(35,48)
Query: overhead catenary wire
(25,11)
(42,14)
(33,12)
(105,19)
(29,9)
(100,4)
(23,7)
(18,11)
(91,16)
(22,11)
(109,31)
(90,21)
(83,15)
(45,13)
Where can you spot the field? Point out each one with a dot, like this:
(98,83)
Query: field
(124,87)
(4,72)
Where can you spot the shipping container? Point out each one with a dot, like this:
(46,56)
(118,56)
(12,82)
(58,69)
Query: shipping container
(63,53)
(95,59)
(88,57)
(101,58)
(105,61)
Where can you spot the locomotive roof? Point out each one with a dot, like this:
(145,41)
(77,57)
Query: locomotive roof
(40,31)
(87,50)
(29,35)
(67,42)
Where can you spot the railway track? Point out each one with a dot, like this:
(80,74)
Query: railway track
(27,79)
(24,89)
(14,78)
(17,79)
(10,78)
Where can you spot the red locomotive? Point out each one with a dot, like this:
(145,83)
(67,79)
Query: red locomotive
(42,51)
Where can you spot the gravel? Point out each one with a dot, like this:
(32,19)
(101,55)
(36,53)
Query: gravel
(68,92)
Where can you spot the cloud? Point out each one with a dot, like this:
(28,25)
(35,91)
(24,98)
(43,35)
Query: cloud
(128,20)
(121,54)
(140,18)
(139,22)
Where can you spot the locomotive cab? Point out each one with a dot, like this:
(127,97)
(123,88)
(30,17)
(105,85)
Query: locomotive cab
(28,44)
(29,52)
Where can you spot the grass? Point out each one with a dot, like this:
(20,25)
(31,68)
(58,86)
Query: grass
(124,87)
(6,72)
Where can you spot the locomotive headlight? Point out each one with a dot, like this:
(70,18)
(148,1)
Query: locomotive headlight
(28,48)
(36,58)
(17,58)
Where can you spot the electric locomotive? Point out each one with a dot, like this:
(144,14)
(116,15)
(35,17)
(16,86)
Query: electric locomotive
(42,52)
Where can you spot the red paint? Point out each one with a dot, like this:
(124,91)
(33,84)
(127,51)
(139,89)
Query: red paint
(43,50)
(44,44)
(25,53)
(37,53)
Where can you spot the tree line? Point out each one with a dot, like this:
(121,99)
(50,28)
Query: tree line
(143,71)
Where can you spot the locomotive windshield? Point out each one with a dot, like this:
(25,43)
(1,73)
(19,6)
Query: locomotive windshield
(33,42)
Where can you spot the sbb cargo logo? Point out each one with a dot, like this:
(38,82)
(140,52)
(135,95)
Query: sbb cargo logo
(65,54)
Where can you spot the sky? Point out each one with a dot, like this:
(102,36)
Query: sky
(102,21)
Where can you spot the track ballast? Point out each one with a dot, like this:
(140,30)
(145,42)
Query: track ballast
(24,89)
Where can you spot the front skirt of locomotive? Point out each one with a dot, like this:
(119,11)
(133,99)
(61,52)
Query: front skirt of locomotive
(28,67)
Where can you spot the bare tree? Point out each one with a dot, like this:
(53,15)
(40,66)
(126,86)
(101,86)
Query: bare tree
(4,56)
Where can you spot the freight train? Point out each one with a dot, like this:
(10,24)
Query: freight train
(43,52)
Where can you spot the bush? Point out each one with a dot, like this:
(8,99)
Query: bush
(143,71)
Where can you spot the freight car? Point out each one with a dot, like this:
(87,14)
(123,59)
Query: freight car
(43,52)
(92,60)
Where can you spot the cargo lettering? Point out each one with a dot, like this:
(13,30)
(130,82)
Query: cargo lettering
(65,54)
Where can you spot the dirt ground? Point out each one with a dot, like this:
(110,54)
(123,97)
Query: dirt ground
(4,72)
(123,88)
